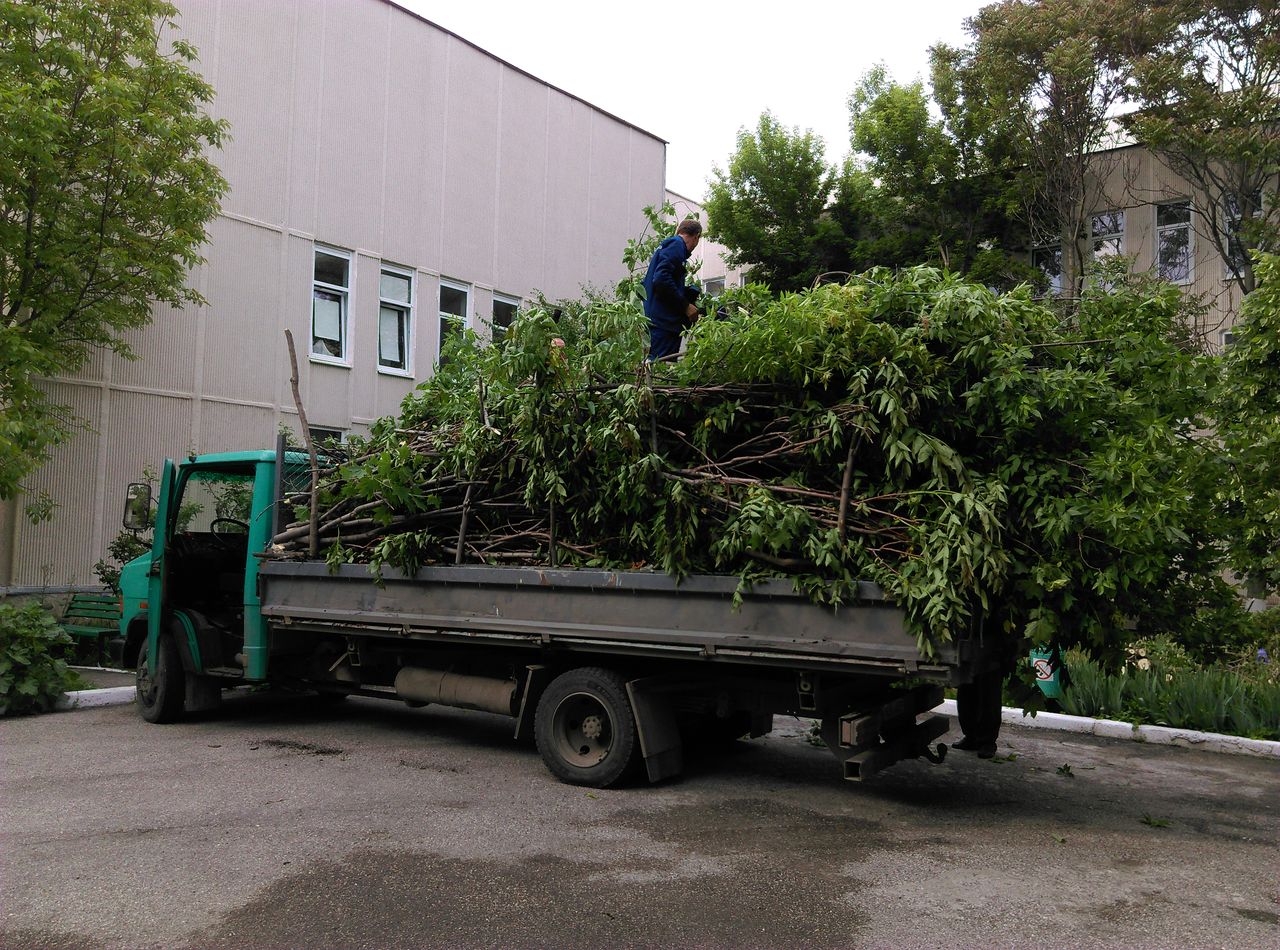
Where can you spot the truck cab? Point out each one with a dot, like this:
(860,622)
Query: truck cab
(191,603)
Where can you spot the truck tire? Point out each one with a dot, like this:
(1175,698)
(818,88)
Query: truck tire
(161,694)
(585,728)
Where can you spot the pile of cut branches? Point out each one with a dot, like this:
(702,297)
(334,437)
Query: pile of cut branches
(974,455)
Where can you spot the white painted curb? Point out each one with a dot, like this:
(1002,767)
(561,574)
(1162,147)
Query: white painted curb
(1110,729)
(87,698)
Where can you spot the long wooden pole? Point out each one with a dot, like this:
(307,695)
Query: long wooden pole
(313,534)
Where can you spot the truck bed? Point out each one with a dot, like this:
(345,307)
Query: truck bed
(621,612)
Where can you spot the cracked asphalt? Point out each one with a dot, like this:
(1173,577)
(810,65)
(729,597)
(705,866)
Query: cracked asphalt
(280,824)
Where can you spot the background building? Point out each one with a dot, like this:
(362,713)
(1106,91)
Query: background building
(390,181)
(715,274)
(1143,210)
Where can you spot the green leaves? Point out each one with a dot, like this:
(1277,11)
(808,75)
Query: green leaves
(767,205)
(1247,411)
(105,194)
(33,673)
(1009,473)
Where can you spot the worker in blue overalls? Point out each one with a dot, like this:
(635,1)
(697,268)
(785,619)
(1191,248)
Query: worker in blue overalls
(669,303)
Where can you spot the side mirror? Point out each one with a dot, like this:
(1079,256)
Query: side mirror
(137,506)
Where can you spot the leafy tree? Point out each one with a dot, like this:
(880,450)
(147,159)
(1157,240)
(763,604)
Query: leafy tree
(1207,83)
(768,207)
(944,185)
(106,190)
(1055,70)
(1248,422)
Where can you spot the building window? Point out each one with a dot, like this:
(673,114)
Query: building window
(330,290)
(1048,260)
(1234,215)
(455,300)
(504,313)
(322,436)
(1107,231)
(1227,339)
(395,320)
(1173,242)
(713,286)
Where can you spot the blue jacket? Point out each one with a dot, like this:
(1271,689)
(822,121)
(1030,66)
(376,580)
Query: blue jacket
(665,293)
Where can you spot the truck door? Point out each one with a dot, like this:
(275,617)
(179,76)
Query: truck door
(159,609)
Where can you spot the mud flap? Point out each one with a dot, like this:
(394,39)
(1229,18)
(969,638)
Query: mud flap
(660,742)
(203,694)
(535,681)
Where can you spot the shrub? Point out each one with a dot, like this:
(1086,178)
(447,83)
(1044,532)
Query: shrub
(1162,651)
(124,548)
(1093,692)
(1214,699)
(33,670)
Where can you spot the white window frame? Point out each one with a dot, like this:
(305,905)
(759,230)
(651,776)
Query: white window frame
(1226,339)
(1096,237)
(344,296)
(501,298)
(724,284)
(444,318)
(1055,283)
(1227,273)
(1191,243)
(407,310)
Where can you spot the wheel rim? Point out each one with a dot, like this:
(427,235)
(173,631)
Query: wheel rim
(145,684)
(583,730)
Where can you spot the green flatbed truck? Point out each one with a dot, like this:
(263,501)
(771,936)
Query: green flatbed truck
(612,673)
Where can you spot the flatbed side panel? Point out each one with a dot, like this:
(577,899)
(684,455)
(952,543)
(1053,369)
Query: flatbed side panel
(612,607)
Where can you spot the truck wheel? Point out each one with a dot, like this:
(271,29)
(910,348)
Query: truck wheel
(585,729)
(161,693)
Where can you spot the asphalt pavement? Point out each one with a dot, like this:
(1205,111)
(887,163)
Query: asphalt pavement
(283,824)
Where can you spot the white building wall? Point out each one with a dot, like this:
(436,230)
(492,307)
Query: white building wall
(356,125)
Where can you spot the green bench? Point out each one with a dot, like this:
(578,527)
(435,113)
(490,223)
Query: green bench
(93,617)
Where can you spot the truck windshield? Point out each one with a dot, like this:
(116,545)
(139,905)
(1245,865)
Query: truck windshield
(215,501)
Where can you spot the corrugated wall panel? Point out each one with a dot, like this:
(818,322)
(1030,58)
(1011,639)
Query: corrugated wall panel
(62,550)
(256,77)
(228,428)
(242,346)
(413,192)
(567,231)
(328,398)
(471,158)
(609,207)
(364,338)
(350,139)
(198,24)
(143,430)
(648,166)
(427,326)
(391,391)
(522,185)
(95,368)
(166,349)
(304,118)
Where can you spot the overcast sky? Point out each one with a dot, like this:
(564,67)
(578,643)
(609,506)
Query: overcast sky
(695,73)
